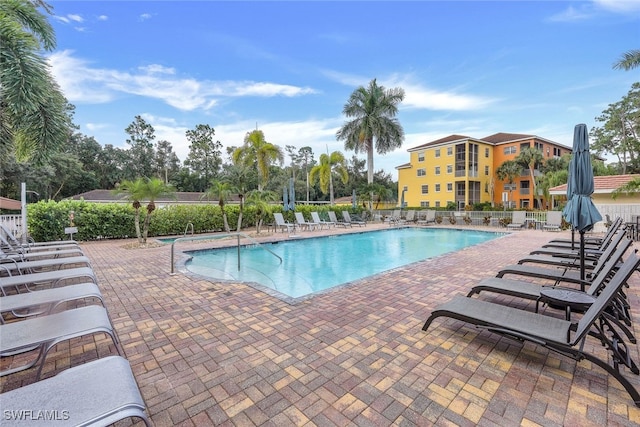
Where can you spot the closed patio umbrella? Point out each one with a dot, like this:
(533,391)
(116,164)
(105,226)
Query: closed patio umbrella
(292,195)
(580,210)
(285,199)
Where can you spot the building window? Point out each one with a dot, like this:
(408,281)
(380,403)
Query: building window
(437,204)
(486,170)
(449,168)
(486,152)
(524,204)
(538,146)
(421,172)
(524,188)
(461,155)
(437,170)
(421,156)
(449,151)
(509,187)
(472,170)
(437,188)
(405,188)
(525,145)
(425,189)
(424,204)
(449,187)
(556,152)
(438,152)
(509,150)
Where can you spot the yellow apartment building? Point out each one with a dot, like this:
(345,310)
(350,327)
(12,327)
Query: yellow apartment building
(461,170)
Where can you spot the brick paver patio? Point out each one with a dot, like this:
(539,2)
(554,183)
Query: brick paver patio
(207,353)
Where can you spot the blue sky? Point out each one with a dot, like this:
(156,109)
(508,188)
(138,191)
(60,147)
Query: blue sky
(468,67)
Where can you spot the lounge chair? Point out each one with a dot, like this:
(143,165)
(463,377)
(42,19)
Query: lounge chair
(303,223)
(10,252)
(566,275)
(13,241)
(558,335)
(591,240)
(45,332)
(530,290)
(316,218)
(411,216)
(47,300)
(518,220)
(553,222)
(96,393)
(13,266)
(351,222)
(52,278)
(428,218)
(281,224)
(341,223)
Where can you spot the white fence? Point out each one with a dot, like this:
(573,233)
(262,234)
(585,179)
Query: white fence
(13,223)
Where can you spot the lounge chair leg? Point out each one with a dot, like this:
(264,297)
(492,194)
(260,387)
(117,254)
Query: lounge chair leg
(635,396)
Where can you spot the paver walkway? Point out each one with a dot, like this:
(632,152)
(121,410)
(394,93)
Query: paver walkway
(207,353)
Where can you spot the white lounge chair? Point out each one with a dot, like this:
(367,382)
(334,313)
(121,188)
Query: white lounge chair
(96,393)
(48,277)
(303,223)
(428,218)
(13,266)
(281,224)
(348,220)
(316,218)
(334,219)
(554,221)
(518,220)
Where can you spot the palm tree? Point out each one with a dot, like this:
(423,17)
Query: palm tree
(374,125)
(508,172)
(377,192)
(530,158)
(33,119)
(256,151)
(238,176)
(628,61)
(134,192)
(262,202)
(153,189)
(220,191)
(329,164)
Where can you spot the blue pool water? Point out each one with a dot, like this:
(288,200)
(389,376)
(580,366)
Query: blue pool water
(316,264)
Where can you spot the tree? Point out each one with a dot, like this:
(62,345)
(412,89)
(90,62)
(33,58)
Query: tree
(508,172)
(373,125)
(166,161)
(261,200)
(141,153)
(137,191)
(257,152)
(620,131)
(631,187)
(628,60)
(205,154)
(329,164)
(33,116)
(220,191)
(531,159)
(240,178)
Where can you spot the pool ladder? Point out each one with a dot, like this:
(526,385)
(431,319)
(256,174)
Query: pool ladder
(189,226)
(219,236)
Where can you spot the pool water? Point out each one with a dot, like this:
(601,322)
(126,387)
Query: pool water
(312,265)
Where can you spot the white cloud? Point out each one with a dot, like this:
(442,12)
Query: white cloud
(619,6)
(144,16)
(572,14)
(81,82)
(75,18)
(103,18)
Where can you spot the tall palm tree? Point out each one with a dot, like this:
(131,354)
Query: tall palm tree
(529,158)
(238,176)
(508,172)
(154,188)
(33,119)
(373,125)
(219,190)
(257,151)
(628,61)
(324,171)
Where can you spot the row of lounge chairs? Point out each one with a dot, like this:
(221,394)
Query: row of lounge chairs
(599,298)
(316,223)
(46,295)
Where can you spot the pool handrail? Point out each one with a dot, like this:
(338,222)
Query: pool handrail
(218,236)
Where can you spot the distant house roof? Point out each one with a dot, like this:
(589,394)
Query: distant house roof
(10,204)
(181,197)
(602,184)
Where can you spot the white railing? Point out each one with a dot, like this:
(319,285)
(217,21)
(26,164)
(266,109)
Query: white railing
(13,223)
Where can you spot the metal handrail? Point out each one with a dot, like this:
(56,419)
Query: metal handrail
(189,224)
(218,236)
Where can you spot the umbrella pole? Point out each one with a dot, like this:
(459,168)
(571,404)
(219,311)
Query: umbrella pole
(573,238)
(581,255)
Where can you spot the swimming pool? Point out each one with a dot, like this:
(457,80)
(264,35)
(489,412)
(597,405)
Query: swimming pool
(316,264)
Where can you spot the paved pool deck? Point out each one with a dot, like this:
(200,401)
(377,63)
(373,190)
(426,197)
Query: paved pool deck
(207,353)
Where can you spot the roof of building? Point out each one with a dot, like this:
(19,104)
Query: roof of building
(404,166)
(601,184)
(444,140)
(10,204)
(505,137)
(495,139)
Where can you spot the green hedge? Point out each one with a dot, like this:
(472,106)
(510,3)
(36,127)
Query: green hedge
(48,219)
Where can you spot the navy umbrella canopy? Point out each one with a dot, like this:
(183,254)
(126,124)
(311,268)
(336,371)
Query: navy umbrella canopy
(292,195)
(285,199)
(580,210)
